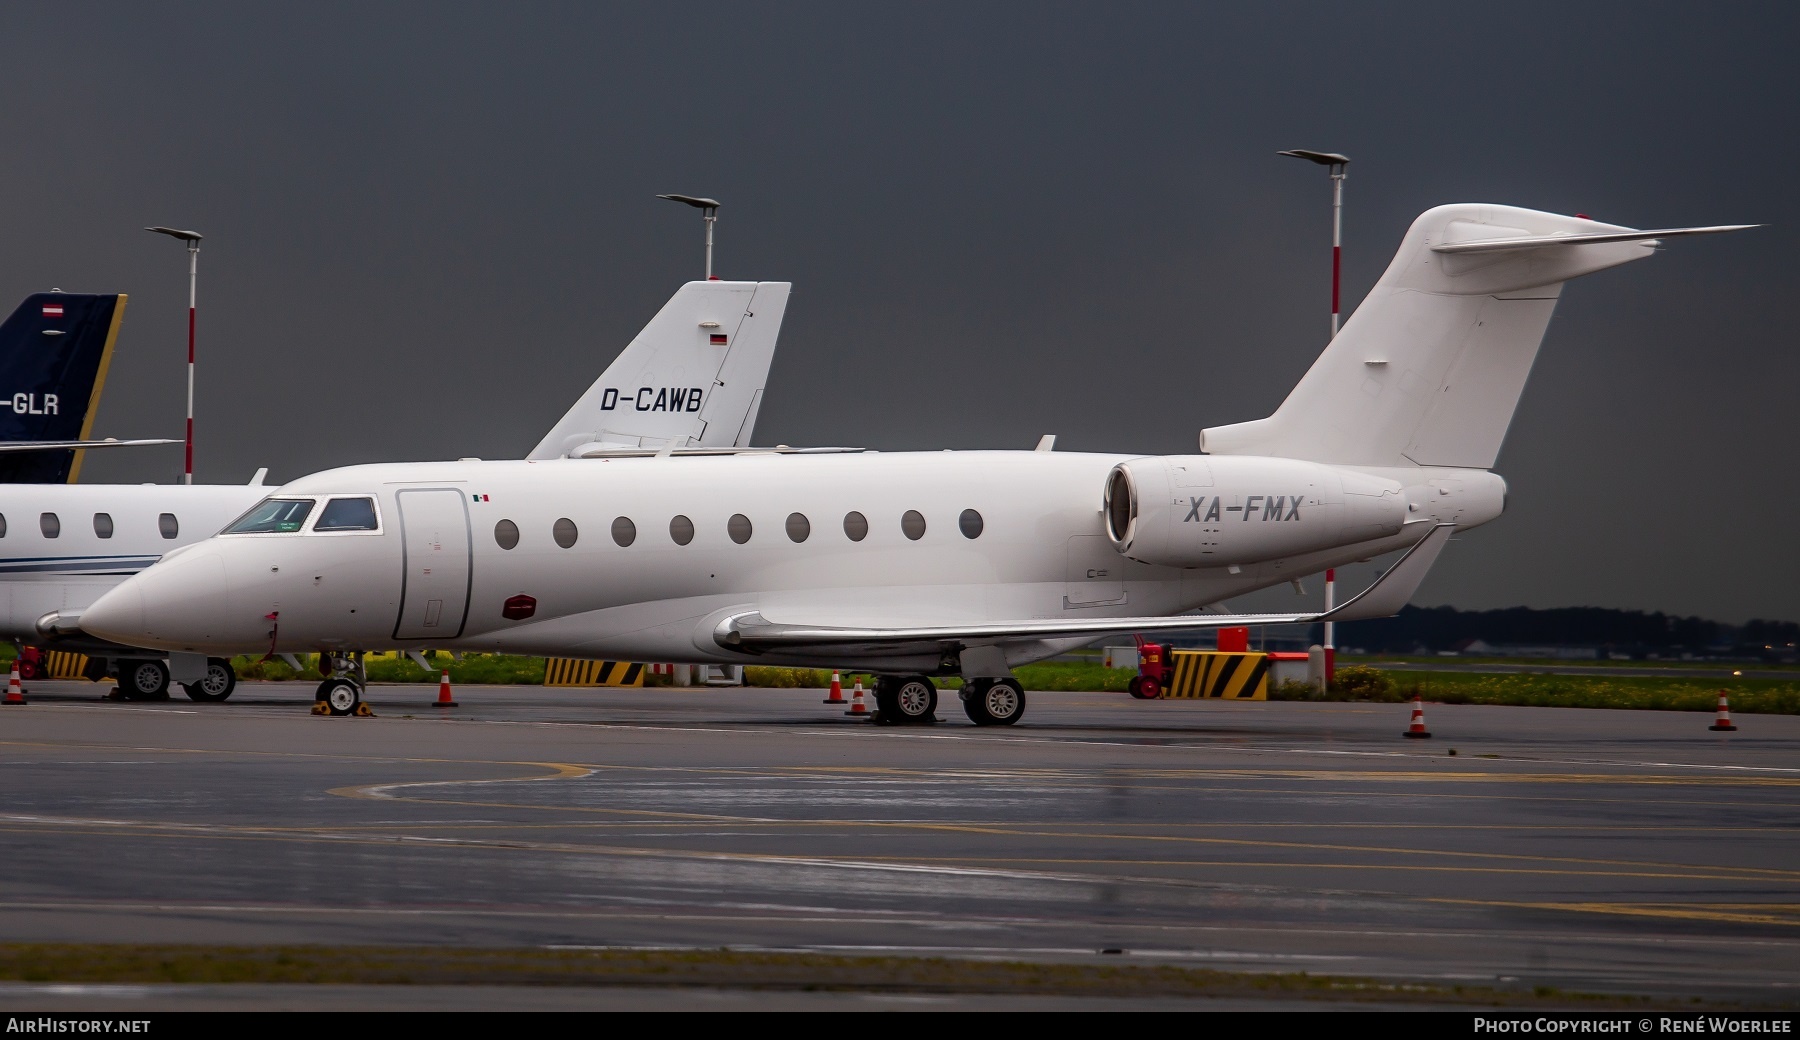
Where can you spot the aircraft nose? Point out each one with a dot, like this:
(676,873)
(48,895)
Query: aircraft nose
(170,606)
(118,615)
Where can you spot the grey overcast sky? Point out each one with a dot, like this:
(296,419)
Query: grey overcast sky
(430,226)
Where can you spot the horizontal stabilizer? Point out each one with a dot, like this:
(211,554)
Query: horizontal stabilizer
(751,633)
(1496,245)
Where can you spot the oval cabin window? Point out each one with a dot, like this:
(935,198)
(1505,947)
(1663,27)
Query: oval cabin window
(564,532)
(49,525)
(168,526)
(103,525)
(856,526)
(506,534)
(970,523)
(681,530)
(624,531)
(912,524)
(738,527)
(798,527)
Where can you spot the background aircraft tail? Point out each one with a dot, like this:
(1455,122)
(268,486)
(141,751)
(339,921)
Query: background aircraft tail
(693,377)
(1429,369)
(54,353)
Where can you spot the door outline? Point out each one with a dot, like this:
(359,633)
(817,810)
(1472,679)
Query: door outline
(406,563)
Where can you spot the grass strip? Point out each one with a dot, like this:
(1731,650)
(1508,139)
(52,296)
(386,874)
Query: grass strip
(1748,695)
(735,969)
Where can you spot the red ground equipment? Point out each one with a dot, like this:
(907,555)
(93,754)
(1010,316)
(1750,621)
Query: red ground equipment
(1156,669)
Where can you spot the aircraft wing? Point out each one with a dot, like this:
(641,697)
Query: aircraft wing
(109,442)
(750,632)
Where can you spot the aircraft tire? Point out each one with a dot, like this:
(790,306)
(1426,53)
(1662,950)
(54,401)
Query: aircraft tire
(909,700)
(144,680)
(995,702)
(220,681)
(341,696)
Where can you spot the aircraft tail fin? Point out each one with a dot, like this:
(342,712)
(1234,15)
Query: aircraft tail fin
(1429,369)
(54,353)
(694,376)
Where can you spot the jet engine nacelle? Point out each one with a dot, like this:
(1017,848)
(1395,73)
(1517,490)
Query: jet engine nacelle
(1216,510)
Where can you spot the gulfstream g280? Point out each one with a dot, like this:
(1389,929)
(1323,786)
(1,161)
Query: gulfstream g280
(914,564)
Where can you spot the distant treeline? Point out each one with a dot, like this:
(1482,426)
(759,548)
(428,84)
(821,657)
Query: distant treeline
(1625,631)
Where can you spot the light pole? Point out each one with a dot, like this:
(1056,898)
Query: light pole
(1337,163)
(192,238)
(710,211)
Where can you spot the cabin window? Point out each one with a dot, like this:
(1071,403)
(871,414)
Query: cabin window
(270,516)
(798,526)
(168,525)
(347,514)
(506,534)
(2,525)
(970,522)
(564,532)
(856,526)
(912,524)
(681,530)
(738,527)
(624,531)
(103,525)
(49,524)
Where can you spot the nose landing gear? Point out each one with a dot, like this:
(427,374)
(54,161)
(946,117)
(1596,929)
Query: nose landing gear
(341,693)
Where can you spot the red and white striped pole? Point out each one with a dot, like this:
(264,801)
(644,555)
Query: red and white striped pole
(192,238)
(187,469)
(1330,626)
(1337,164)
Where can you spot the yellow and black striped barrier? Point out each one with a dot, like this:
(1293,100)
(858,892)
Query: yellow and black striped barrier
(1227,676)
(566,671)
(61,664)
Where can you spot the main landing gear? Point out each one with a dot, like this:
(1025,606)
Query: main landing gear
(342,691)
(993,702)
(911,700)
(220,680)
(905,700)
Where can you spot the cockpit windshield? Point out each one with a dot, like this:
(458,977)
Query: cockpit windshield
(273,516)
(347,514)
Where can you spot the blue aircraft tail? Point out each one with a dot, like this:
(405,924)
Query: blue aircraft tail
(54,352)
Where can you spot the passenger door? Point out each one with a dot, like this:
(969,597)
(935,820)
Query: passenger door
(435,550)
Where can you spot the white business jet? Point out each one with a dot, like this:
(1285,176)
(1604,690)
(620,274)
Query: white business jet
(915,564)
(692,380)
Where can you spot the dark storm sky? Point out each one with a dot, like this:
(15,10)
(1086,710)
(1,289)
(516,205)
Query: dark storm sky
(430,226)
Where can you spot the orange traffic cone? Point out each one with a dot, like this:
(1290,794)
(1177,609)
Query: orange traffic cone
(857,707)
(444,700)
(837,690)
(1723,722)
(15,694)
(1417,729)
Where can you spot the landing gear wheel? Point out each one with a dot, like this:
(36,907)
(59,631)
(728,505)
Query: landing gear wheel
(994,702)
(220,680)
(341,696)
(905,701)
(1144,688)
(144,680)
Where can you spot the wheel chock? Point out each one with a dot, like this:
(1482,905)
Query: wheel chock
(321,708)
(362,711)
